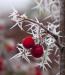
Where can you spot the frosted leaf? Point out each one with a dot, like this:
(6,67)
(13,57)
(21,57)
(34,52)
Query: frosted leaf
(47,17)
(53,2)
(26,52)
(41,65)
(18,19)
(55,9)
(22,53)
(14,15)
(39,10)
(23,17)
(53,28)
(15,12)
(48,65)
(46,56)
(57,61)
(37,32)
(45,59)
(56,49)
(38,4)
(49,40)
(34,29)
(19,24)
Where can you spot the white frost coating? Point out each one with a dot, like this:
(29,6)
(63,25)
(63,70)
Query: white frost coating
(17,19)
(34,29)
(38,4)
(53,7)
(22,53)
(53,28)
(49,40)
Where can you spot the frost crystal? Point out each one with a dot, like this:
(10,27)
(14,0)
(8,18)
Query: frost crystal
(22,53)
(17,19)
(34,29)
(53,28)
(39,4)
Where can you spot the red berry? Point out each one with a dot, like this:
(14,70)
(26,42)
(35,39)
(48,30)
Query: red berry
(37,51)
(2,66)
(28,42)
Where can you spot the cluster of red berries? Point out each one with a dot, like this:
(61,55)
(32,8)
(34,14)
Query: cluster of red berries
(36,49)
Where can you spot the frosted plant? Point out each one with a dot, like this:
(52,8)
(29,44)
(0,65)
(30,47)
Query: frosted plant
(17,19)
(22,53)
(46,59)
(34,29)
(49,40)
(53,28)
(53,7)
(37,30)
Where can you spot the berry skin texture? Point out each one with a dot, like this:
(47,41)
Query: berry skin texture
(37,51)
(28,42)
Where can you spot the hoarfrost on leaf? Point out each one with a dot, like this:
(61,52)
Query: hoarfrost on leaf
(22,53)
(38,4)
(18,19)
(37,32)
(49,40)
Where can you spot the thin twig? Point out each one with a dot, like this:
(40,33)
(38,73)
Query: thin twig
(55,36)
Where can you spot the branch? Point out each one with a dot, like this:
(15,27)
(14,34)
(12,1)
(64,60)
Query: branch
(55,36)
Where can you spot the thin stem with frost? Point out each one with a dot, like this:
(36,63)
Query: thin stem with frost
(55,36)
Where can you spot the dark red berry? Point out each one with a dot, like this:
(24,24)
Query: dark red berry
(28,42)
(37,51)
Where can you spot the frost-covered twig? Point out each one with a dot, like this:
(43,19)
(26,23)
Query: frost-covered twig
(39,32)
(22,53)
(42,26)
